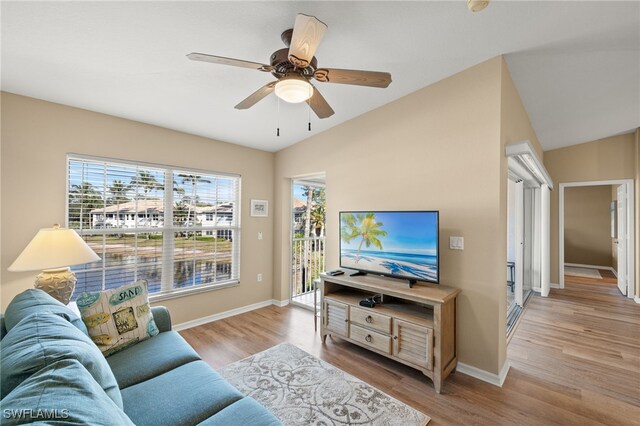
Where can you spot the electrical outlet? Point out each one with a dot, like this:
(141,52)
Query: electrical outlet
(456,243)
(259,277)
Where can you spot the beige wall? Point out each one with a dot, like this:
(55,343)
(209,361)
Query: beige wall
(37,135)
(514,127)
(438,148)
(587,225)
(605,159)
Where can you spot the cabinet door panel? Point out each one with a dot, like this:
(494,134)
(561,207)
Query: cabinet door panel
(336,317)
(413,343)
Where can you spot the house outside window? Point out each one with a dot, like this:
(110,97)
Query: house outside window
(145,222)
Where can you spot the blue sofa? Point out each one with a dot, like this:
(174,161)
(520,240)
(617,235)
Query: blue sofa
(51,371)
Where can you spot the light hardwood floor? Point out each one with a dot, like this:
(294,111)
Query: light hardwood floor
(575,360)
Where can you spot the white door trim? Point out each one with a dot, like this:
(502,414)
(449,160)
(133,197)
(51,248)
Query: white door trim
(623,240)
(630,227)
(519,242)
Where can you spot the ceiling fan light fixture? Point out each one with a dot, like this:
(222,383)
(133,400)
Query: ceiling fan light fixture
(477,5)
(294,90)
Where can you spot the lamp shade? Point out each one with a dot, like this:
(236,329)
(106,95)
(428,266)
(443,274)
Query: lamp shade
(294,89)
(54,248)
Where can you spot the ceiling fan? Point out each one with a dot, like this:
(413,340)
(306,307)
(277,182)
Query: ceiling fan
(295,65)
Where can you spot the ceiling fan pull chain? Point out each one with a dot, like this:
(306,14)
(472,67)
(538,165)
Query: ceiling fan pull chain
(278,120)
(309,109)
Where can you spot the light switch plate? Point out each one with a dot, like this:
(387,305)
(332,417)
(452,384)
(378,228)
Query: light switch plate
(456,243)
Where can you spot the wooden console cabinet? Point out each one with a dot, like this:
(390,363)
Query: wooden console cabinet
(415,326)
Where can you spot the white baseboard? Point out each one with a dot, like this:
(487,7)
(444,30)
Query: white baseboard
(485,376)
(579,265)
(636,299)
(554,285)
(227,314)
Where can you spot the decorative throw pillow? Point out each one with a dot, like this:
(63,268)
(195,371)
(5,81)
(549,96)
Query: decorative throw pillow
(118,318)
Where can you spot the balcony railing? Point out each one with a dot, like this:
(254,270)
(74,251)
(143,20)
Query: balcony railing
(307,264)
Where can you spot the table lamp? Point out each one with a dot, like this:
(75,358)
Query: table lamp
(53,250)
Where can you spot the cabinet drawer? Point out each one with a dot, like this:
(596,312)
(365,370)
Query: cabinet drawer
(370,319)
(370,338)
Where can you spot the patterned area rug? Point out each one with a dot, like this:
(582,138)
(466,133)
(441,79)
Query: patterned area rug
(301,389)
(582,272)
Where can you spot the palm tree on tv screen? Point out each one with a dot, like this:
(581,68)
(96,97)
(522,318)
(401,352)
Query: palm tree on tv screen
(362,225)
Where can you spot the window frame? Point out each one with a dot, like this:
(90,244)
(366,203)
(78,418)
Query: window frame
(165,261)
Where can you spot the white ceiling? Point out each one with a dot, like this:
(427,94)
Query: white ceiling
(576,64)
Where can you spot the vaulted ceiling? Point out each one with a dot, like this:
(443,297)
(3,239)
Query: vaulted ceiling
(575,64)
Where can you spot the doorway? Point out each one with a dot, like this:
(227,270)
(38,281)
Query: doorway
(528,220)
(610,243)
(308,232)
(522,262)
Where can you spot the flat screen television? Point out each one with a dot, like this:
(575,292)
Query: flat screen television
(399,244)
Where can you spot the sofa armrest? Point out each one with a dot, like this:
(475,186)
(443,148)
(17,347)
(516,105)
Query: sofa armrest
(162,318)
(3,329)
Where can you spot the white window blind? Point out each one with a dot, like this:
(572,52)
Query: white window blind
(178,229)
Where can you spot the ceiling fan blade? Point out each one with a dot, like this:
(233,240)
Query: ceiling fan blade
(307,34)
(229,61)
(357,77)
(319,105)
(257,96)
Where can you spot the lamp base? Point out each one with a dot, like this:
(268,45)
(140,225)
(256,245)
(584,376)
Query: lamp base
(58,283)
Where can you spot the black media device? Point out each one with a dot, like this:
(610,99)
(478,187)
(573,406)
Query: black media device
(370,302)
(336,272)
(367,303)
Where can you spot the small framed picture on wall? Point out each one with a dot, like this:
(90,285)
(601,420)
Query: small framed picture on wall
(259,208)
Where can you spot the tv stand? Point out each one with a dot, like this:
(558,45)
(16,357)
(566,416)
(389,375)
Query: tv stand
(357,274)
(416,327)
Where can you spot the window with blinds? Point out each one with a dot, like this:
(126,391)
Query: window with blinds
(178,229)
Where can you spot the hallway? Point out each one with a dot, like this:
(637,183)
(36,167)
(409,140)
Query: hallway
(582,347)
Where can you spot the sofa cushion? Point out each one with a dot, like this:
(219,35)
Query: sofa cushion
(61,393)
(247,411)
(185,395)
(44,338)
(118,318)
(151,358)
(35,300)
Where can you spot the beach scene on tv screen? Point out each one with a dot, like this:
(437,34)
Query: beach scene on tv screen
(394,243)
